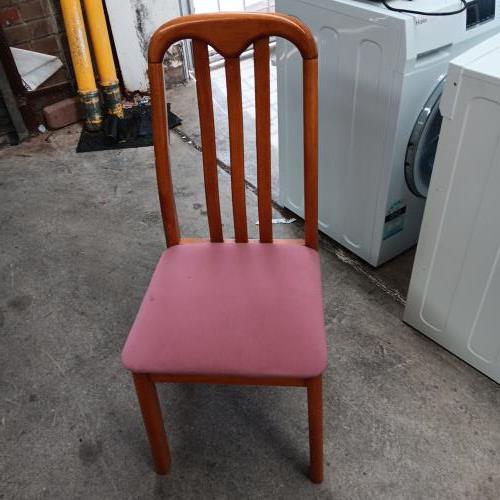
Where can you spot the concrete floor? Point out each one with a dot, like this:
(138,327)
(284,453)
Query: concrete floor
(394,277)
(79,237)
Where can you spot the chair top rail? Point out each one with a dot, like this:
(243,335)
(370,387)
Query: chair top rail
(231,33)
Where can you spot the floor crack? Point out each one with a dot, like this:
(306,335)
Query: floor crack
(329,244)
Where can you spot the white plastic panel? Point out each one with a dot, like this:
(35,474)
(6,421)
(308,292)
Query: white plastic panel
(454,294)
(377,68)
(471,176)
(365,145)
(290,124)
(329,154)
(357,63)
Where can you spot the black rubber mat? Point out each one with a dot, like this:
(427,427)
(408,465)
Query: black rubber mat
(133,131)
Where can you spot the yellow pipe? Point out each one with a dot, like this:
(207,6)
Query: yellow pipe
(94,12)
(99,35)
(82,63)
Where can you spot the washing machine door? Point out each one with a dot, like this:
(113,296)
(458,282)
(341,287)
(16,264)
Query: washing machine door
(422,146)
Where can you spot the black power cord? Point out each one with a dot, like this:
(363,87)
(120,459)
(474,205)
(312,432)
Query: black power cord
(407,11)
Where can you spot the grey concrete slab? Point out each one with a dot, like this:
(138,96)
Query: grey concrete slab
(79,238)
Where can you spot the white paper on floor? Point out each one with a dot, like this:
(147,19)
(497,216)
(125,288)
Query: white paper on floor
(34,67)
(280,221)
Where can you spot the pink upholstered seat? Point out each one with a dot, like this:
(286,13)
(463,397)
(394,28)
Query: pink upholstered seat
(244,309)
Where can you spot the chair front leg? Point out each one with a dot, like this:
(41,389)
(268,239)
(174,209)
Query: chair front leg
(153,421)
(315,413)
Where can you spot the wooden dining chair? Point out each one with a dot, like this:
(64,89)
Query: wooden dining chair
(236,311)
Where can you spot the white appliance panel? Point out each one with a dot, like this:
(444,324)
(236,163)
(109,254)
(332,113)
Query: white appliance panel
(377,69)
(454,295)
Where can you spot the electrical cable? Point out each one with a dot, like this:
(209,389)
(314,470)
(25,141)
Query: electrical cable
(407,11)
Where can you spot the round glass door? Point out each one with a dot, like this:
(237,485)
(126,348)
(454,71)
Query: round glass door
(422,146)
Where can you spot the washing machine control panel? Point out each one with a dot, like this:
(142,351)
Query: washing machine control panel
(479,12)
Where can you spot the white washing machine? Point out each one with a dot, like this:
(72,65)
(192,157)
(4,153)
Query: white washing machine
(454,295)
(381,75)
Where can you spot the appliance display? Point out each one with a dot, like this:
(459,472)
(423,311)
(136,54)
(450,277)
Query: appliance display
(454,294)
(381,75)
(479,11)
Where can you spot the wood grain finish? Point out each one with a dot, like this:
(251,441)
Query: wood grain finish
(315,416)
(236,148)
(153,421)
(162,160)
(310,103)
(228,380)
(289,241)
(207,128)
(230,34)
(263,137)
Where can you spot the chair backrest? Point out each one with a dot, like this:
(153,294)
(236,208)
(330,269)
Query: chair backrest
(230,34)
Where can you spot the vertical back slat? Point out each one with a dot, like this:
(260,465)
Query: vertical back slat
(207,128)
(263,137)
(162,160)
(310,103)
(235,116)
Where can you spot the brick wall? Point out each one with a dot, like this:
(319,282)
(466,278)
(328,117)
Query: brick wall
(37,25)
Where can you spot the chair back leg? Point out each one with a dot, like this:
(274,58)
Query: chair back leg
(153,421)
(315,412)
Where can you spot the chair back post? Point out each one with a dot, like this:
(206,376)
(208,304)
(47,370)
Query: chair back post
(310,103)
(162,157)
(230,34)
